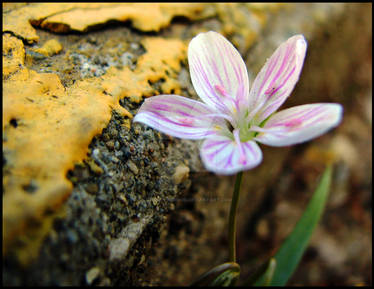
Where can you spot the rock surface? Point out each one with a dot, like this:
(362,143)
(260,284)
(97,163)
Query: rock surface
(92,199)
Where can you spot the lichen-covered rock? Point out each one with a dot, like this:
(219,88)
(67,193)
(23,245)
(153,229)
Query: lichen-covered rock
(92,199)
(50,48)
(13,55)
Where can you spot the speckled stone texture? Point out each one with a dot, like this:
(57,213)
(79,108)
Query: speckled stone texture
(109,202)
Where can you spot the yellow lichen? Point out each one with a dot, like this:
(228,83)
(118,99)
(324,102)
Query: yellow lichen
(47,128)
(50,48)
(51,130)
(18,21)
(63,17)
(162,61)
(13,55)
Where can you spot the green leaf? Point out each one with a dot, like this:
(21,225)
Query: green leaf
(263,275)
(290,253)
(269,274)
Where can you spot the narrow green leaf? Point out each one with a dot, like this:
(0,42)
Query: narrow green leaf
(269,274)
(263,275)
(291,251)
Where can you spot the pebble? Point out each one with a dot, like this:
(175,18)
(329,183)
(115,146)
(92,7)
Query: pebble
(35,55)
(118,154)
(50,48)
(154,201)
(95,168)
(110,144)
(114,159)
(134,46)
(126,58)
(92,274)
(181,173)
(133,167)
(118,248)
(92,188)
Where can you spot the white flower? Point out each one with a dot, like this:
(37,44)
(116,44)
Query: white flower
(232,118)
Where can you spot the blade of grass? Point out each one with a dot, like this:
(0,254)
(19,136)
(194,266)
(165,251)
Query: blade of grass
(289,254)
(263,275)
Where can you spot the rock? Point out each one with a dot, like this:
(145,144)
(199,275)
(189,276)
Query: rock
(133,167)
(92,275)
(118,248)
(50,48)
(181,173)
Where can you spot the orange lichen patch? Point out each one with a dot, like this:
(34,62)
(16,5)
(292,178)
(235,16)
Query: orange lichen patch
(11,6)
(47,128)
(63,17)
(13,54)
(144,16)
(50,48)
(161,62)
(18,20)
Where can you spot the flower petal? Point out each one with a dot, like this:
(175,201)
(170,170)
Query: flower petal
(224,156)
(278,77)
(300,123)
(218,72)
(179,116)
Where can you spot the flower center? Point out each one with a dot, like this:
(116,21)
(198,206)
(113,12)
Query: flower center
(246,134)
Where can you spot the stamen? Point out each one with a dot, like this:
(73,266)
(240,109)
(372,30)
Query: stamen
(242,157)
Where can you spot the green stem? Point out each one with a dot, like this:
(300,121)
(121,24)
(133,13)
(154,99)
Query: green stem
(232,217)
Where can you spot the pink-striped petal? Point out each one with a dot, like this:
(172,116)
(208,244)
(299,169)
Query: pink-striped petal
(179,116)
(225,156)
(218,72)
(300,123)
(278,77)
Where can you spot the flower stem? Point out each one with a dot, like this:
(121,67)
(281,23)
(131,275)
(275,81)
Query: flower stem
(232,217)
